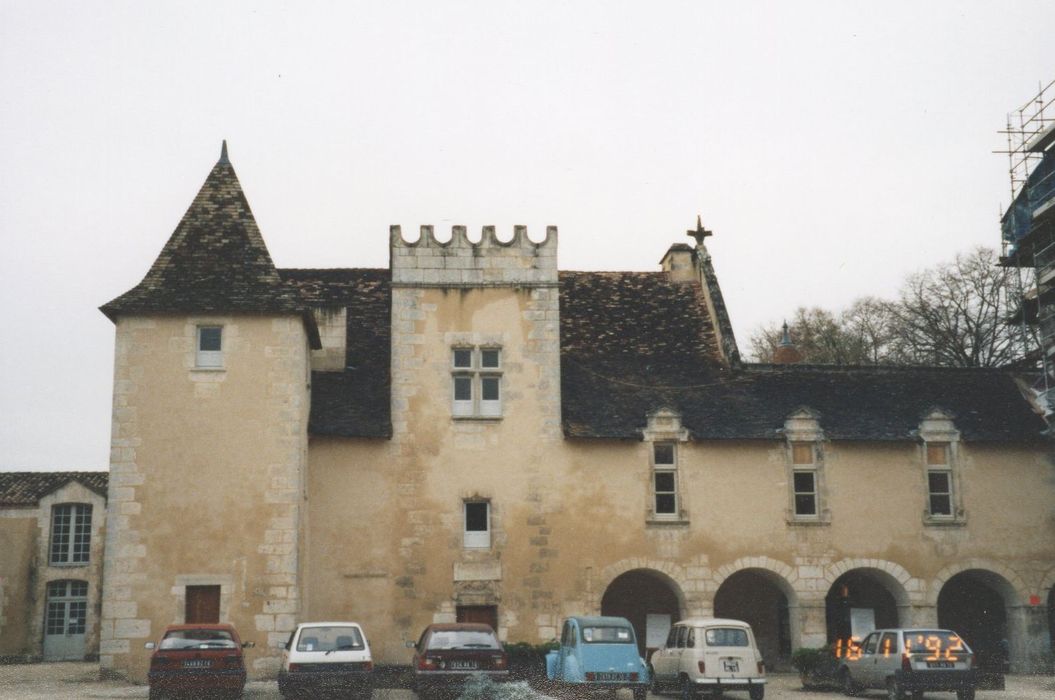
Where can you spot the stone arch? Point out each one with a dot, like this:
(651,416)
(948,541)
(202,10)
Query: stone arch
(761,591)
(651,597)
(672,574)
(779,573)
(1014,592)
(894,577)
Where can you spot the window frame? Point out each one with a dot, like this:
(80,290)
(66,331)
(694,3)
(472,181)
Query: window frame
(208,359)
(804,453)
(942,468)
(665,468)
(801,466)
(74,546)
(476,539)
(481,379)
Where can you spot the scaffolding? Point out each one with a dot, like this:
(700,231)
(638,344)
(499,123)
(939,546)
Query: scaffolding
(1025,126)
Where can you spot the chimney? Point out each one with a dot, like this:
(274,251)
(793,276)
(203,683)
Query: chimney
(677,262)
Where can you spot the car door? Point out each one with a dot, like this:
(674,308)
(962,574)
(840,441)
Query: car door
(566,666)
(887,658)
(864,670)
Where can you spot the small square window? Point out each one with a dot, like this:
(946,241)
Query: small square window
(463,358)
(210,347)
(663,453)
(477,534)
(937,454)
(489,358)
(802,453)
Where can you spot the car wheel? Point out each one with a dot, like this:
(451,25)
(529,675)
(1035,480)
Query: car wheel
(847,683)
(154,693)
(640,693)
(654,682)
(917,695)
(756,692)
(893,690)
(688,689)
(965,694)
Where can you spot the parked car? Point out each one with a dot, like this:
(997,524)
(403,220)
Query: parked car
(326,657)
(910,661)
(709,654)
(448,654)
(599,653)
(197,660)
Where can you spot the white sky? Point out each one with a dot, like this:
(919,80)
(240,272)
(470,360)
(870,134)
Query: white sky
(833,147)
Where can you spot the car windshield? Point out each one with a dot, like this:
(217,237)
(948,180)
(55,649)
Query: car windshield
(607,635)
(726,637)
(462,639)
(329,638)
(935,643)
(198,639)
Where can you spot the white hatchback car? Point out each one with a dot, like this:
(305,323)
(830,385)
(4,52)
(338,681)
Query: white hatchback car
(325,657)
(712,654)
(904,661)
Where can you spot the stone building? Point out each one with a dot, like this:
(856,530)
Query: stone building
(472,434)
(52,527)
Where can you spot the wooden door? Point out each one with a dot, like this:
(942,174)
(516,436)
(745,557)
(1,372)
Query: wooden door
(203,605)
(486,614)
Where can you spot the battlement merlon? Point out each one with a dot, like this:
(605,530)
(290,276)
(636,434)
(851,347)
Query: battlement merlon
(459,262)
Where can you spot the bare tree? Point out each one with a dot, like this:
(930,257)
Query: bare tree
(955,315)
(952,315)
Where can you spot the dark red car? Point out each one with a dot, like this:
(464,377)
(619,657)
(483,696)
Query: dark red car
(197,661)
(448,654)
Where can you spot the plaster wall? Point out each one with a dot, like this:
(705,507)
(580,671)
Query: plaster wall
(206,482)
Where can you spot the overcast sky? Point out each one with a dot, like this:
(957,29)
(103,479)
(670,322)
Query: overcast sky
(833,147)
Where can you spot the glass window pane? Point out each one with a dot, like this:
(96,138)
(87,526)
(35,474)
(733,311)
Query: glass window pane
(802,453)
(938,482)
(940,505)
(476,517)
(663,452)
(664,482)
(489,388)
(666,503)
(489,358)
(78,611)
(463,357)
(209,338)
(463,389)
(805,504)
(56,618)
(803,482)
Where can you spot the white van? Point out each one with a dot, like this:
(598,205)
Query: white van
(709,654)
(325,657)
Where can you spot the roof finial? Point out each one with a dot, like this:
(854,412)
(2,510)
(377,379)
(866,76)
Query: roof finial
(223,153)
(700,232)
(785,341)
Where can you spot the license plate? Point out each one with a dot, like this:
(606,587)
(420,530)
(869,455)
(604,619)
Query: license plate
(612,676)
(463,665)
(197,663)
(940,664)
(731,665)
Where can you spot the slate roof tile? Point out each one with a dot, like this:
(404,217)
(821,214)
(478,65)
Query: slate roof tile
(27,488)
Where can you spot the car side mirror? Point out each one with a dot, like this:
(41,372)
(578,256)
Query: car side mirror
(286,647)
(409,644)
(248,645)
(150,645)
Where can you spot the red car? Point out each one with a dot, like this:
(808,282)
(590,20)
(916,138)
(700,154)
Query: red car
(448,654)
(197,661)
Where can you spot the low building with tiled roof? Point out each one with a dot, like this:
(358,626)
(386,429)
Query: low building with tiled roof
(472,434)
(52,533)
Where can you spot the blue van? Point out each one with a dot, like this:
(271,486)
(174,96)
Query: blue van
(599,653)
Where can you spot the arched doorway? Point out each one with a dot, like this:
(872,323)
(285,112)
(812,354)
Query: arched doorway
(974,604)
(760,598)
(860,601)
(649,599)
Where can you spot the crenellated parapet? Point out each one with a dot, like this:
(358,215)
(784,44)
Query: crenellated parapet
(460,262)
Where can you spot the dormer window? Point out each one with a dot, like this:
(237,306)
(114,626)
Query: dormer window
(664,435)
(804,450)
(210,347)
(941,474)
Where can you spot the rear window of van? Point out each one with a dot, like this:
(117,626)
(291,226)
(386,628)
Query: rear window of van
(725,637)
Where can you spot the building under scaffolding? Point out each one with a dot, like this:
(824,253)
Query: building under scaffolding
(1028,225)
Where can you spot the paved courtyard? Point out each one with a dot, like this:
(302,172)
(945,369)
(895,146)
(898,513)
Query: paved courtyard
(78,680)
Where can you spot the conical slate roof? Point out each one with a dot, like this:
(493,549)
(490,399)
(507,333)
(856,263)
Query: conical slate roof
(215,260)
